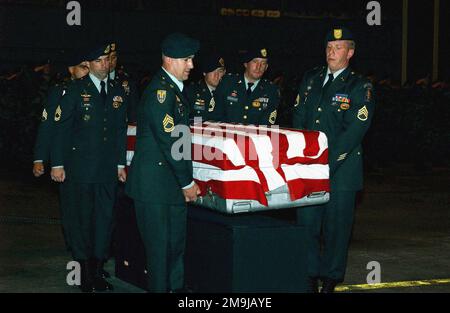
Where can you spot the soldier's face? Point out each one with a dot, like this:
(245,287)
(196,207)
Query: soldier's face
(100,67)
(180,68)
(213,78)
(79,70)
(256,68)
(112,61)
(338,54)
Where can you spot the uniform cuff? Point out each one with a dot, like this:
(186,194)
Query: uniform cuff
(189,186)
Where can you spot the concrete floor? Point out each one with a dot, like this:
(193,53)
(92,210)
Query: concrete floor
(402,221)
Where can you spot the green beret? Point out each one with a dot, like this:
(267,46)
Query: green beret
(98,51)
(177,46)
(339,33)
(255,53)
(212,62)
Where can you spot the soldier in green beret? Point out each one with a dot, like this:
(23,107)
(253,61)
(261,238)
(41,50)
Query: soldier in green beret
(77,68)
(201,93)
(122,78)
(248,98)
(159,183)
(337,101)
(89,157)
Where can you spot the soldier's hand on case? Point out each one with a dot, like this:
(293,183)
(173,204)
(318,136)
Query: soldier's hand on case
(38,169)
(191,193)
(122,175)
(58,174)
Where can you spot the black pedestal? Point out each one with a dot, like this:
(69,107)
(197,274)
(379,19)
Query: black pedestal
(224,253)
(244,253)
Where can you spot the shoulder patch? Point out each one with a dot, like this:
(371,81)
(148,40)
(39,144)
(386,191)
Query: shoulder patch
(161,95)
(58,113)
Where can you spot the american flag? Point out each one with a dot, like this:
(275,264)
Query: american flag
(247,162)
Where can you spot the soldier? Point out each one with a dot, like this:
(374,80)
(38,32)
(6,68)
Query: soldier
(247,98)
(159,184)
(338,102)
(122,78)
(201,93)
(77,69)
(89,156)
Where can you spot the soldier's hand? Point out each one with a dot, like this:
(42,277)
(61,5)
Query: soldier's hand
(38,169)
(191,193)
(122,174)
(58,174)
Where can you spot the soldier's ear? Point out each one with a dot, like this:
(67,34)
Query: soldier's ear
(350,53)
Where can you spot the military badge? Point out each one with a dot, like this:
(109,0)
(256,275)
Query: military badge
(108,48)
(86,117)
(363,114)
(126,87)
(273,117)
(264,52)
(337,33)
(58,113)
(44,115)
(345,106)
(168,123)
(221,62)
(178,99)
(212,105)
(117,102)
(256,104)
(161,96)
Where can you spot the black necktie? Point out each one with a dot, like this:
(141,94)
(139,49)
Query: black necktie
(249,88)
(103,90)
(328,84)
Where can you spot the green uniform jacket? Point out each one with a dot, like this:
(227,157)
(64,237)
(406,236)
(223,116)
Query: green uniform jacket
(90,136)
(131,92)
(155,176)
(202,103)
(344,114)
(260,108)
(45,131)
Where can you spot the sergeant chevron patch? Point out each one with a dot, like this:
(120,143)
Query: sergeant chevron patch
(168,123)
(273,117)
(363,114)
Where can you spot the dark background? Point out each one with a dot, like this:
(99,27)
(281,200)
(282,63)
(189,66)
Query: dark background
(410,121)
(32,31)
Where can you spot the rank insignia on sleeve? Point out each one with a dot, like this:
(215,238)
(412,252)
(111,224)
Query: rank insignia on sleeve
(58,113)
(161,96)
(273,117)
(44,115)
(168,123)
(363,114)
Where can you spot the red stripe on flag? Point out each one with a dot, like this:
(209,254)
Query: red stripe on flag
(300,187)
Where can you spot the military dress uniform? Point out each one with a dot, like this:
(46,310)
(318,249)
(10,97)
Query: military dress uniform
(43,142)
(155,178)
(122,79)
(201,96)
(343,111)
(202,102)
(90,143)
